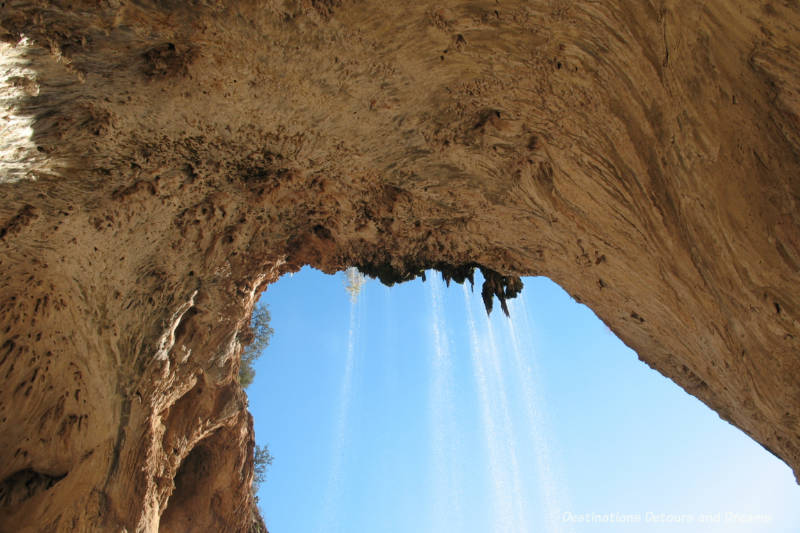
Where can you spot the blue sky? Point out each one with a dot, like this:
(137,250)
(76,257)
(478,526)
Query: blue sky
(393,414)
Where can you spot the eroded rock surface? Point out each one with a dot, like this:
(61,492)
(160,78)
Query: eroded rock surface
(644,155)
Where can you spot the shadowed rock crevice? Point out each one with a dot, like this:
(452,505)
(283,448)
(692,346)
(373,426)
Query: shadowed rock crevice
(190,493)
(24,485)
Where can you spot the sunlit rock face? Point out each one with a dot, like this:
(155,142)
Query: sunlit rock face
(180,156)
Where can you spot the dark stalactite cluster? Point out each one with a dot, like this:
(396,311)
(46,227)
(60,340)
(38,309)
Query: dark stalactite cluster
(504,287)
(494,284)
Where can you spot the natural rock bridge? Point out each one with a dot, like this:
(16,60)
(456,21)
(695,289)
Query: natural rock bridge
(162,162)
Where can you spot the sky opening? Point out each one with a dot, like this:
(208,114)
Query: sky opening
(406,409)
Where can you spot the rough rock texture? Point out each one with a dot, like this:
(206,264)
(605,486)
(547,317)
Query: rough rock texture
(643,154)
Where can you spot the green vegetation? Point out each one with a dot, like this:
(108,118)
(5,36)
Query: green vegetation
(262,460)
(258,335)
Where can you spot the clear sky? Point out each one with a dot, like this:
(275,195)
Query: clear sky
(410,411)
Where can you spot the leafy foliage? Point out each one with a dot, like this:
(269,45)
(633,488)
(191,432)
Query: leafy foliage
(262,460)
(259,335)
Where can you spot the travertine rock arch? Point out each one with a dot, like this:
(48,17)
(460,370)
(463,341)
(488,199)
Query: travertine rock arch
(644,155)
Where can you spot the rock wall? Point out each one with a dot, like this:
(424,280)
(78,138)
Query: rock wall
(163,162)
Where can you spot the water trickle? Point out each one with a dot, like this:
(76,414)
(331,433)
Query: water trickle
(447,508)
(500,368)
(499,382)
(334,487)
(534,408)
(502,505)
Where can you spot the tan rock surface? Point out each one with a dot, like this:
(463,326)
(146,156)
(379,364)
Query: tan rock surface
(644,155)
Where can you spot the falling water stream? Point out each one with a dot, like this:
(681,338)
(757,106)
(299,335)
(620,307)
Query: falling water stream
(534,419)
(330,519)
(499,389)
(506,492)
(500,494)
(446,479)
